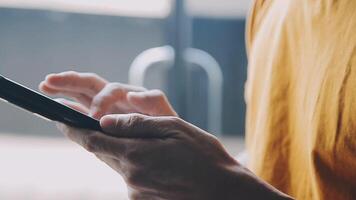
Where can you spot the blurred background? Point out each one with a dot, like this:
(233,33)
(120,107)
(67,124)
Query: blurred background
(193,50)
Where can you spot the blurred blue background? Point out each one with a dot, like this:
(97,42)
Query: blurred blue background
(35,42)
(38,37)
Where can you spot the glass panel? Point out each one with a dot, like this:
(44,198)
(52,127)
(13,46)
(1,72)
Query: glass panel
(218,27)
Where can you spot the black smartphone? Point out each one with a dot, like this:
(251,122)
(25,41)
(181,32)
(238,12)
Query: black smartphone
(43,106)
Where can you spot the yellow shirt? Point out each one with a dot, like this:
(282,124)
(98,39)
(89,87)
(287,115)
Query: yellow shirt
(301,96)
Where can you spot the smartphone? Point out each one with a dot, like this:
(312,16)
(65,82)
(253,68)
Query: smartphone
(43,106)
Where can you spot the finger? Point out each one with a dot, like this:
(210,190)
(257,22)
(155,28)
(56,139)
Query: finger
(113,93)
(71,81)
(96,142)
(82,98)
(152,102)
(139,126)
(74,105)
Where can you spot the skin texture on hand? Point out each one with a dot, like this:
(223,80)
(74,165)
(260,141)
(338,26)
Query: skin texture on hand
(160,156)
(167,158)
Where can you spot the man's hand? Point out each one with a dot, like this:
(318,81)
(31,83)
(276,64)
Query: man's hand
(167,158)
(159,157)
(99,97)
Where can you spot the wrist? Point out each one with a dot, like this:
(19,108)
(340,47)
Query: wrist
(240,182)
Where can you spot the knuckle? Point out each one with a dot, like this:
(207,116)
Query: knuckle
(215,141)
(116,89)
(159,95)
(94,81)
(134,123)
(173,120)
(174,124)
(134,120)
(112,91)
(72,77)
(72,74)
(115,85)
(90,75)
(159,92)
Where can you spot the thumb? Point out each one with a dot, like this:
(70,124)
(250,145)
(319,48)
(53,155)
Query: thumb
(134,126)
(152,102)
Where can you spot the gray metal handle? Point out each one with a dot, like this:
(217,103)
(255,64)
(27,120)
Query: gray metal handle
(215,85)
(146,60)
(165,54)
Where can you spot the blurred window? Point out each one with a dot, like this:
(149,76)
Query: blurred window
(38,37)
(218,8)
(135,8)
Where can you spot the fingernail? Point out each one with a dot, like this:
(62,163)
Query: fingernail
(55,80)
(49,76)
(108,122)
(40,86)
(95,113)
(134,94)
